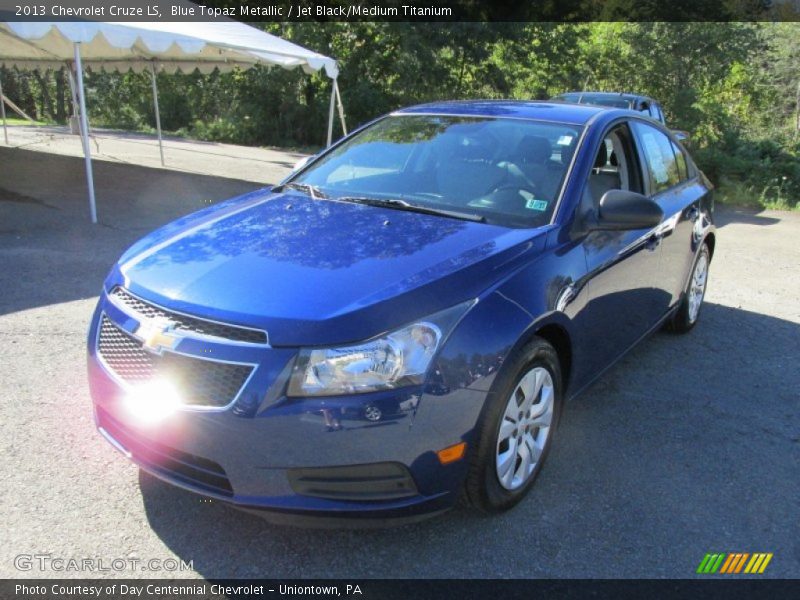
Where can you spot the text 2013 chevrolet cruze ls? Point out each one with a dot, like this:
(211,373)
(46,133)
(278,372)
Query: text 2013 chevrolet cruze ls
(401,320)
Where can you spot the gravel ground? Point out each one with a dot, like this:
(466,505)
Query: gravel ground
(690,445)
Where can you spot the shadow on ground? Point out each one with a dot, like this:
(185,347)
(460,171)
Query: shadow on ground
(45,226)
(658,445)
(726,215)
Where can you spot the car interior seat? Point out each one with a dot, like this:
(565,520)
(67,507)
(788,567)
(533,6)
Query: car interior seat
(604,176)
(533,157)
(469,171)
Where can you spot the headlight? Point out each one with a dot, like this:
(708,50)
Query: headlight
(396,359)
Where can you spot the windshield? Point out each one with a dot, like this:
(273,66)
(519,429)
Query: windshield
(505,171)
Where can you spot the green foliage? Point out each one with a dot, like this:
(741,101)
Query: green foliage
(733,86)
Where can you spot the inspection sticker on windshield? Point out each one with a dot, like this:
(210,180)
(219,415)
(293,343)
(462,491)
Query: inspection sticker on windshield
(534,204)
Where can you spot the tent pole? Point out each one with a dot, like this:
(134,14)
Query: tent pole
(87,151)
(72,91)
(158,115)
(330,112)
(3,111)
(341,108)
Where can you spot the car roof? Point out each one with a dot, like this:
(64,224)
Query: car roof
(624,95)
(555,112)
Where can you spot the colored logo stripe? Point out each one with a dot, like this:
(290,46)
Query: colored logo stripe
(734,562)
(710,563)
(758,563)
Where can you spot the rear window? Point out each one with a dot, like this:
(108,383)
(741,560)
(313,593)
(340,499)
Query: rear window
(610,101)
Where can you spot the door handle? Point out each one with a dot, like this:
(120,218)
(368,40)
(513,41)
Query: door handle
(653,241)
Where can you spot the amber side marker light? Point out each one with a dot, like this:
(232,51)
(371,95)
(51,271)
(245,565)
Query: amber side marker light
(452,453)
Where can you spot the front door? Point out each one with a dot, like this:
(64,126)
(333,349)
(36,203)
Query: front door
(622,266)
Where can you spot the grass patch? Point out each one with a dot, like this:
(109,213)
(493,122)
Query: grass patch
(18,121)
(204,135)
(773,197)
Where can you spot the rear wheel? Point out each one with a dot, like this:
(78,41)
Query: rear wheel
(689,311)
(516,429)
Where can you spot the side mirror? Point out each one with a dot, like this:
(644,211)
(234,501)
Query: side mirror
(302,162)
(622,210)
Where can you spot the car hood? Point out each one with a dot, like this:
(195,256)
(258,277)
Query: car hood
(318,271)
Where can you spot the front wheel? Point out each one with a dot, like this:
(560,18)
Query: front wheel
(516,428)
(689,311)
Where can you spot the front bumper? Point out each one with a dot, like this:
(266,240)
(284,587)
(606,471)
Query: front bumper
(247,453)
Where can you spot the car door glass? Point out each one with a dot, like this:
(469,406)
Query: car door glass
(680,157)
(614,167)
(661,163)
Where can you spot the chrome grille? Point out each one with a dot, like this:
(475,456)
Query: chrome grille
(186,323)
(202,382)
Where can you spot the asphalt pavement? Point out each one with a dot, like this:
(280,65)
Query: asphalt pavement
(691,444)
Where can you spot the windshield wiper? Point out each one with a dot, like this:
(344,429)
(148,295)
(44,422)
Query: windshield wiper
(309,189)
(397,204)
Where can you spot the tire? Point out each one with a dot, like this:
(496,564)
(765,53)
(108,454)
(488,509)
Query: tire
(489,488)
(688,312)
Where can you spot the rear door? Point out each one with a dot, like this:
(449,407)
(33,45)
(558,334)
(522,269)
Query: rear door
(673,182)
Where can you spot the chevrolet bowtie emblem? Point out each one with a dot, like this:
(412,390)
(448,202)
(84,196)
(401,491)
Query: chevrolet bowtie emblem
(157,335)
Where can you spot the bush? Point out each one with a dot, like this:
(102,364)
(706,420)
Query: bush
(217,130)
(764,172)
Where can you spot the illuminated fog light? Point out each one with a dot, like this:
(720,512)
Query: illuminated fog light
(153,401)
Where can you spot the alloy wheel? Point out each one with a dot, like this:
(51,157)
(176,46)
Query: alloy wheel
(697,287)
(524,428)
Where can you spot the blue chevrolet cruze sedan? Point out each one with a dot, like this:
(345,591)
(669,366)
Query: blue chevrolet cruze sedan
(400,322)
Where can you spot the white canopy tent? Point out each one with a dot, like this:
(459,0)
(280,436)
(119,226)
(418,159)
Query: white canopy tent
(152,46)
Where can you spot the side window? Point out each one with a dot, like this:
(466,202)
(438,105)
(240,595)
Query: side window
(661,163)
(615,166)
(680,157)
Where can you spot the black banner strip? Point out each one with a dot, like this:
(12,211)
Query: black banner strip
(401,10)
(716,588)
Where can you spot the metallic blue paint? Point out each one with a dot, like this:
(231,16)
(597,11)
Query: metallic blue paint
(319,272)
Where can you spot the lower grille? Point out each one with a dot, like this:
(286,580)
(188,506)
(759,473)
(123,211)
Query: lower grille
(202,382)
(191,470)
(368,482)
